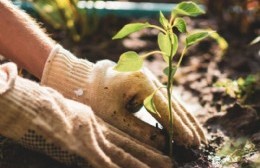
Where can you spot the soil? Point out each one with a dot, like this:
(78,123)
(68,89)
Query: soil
(222,116)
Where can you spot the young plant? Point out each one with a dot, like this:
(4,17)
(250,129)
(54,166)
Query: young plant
(168,44)
(236,151)
(242,88)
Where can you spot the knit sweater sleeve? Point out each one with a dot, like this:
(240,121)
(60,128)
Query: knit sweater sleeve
(67,74)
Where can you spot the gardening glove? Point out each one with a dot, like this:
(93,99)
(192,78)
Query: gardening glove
(41,119)
(114,96)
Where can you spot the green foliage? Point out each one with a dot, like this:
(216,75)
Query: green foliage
(164,22)
(66,15)
(149,104)
(166,71)
(235,150)
(241,88)
(180,24)
(129,61)
(231,87)
(130,28)
(222,43)
(163,42)
(196,37)
(187,9)
(174,43)
(168,44)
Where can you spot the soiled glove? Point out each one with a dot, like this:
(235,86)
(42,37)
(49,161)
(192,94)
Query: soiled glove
(114,96)
(41,119)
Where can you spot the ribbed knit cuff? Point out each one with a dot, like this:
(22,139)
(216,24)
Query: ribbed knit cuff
(67,74)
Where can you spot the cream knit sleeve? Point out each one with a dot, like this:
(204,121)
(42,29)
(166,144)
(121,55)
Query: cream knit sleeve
(67,74)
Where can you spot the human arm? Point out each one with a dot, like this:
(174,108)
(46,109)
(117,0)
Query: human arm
(22,40)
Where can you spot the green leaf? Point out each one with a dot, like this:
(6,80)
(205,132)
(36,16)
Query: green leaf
(231,87)
(180,24)
(236,150)
(196,37)
(164,43)
(223,44)
(166,71)
(164,22)
(149,104)
(129,61)
(187,9)
(130,28)
(168,44)
(175,43)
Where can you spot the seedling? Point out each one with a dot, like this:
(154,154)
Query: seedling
(236,151)
(242,88)
(168,45)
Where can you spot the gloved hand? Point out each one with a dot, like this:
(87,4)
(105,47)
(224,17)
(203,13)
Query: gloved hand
(42,119)
(114,96)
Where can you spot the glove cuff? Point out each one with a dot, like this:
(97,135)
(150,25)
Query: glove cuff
(68,74)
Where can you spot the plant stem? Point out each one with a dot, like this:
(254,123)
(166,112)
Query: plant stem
(172,19)
(182,54)
(169,94)
(151,53)
(157,27)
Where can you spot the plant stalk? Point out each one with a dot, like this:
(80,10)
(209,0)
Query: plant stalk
(182,54)
(169,94)
(172,19)
(151,53)
(158,28)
